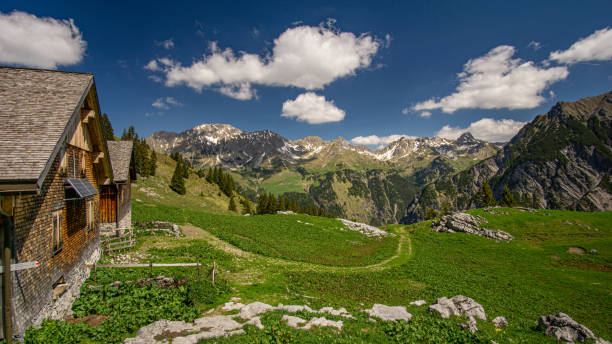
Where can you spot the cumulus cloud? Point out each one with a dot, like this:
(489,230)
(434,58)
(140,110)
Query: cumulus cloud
(308,57)
(242,91)
(535,45)
(596,47)
(377,140)
(39,42)
(167,44)
(313,109)
(165,103)
(496,80)
(486,129)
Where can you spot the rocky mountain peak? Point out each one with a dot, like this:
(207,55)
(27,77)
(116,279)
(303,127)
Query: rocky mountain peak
(466,139)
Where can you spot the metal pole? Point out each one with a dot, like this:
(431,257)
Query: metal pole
(6,281)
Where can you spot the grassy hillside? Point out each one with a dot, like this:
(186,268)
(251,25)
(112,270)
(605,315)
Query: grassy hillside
(200,194)
(548,268)
(295,237)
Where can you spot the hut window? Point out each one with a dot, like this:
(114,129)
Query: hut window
(57,231)
(83,162)
(91,221)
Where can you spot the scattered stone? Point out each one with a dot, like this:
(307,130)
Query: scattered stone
(160,226)
(286,212)
(295,322)
(458,305)
(253,309)
(470,325)
(563,327)
(500,322)
(255,321)
(389,313)
(367,230)
(593,251)
(464,222)
(418,303)
(231,306)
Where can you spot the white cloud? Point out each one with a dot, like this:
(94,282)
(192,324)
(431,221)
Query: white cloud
(152,66)
(406,111)
(308,57)
(486,129)
(495,81)
(167,44)
(39,42)
(241,91)
(377,140)
(165,103)
(155,78)
(425,114)
(596,47)
(535,45)
(313,109)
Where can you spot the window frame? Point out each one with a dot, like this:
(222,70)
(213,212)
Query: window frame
(57,223)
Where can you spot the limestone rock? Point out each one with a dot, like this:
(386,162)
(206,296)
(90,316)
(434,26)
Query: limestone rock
(367,230)
(458,305)
(389,313)
(418,303)
(500,322)
(231,306)
(295,322)
(253,309)
(470,325)
(563,327)
(464,222)
(255,321)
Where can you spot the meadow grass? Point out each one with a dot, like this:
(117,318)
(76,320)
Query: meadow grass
(295,237)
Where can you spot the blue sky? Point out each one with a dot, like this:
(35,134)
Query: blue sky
(363,71)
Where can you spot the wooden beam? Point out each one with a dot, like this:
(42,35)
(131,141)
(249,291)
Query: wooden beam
(8,188)
(99,156)
(87,114)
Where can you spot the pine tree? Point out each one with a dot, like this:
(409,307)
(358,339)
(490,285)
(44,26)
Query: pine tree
(178,183)
(272,204)
(153,163)
(486,197)
(124,135)
(107,128)
(262,204)
(507,198)
(209,176)
(232,204)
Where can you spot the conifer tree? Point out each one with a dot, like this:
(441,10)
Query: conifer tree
(178,183)
(507,198)
(486,196)
(232,204)
(107,128)
(153,163)
(209,176)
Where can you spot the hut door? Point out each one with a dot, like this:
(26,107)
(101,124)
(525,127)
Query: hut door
(108,204)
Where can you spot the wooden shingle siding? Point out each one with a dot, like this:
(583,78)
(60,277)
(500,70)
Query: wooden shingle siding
(33,219)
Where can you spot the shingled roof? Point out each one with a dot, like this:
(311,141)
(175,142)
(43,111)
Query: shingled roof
(35,108)
(120,153)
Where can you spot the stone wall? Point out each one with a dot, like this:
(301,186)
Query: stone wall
(64,295)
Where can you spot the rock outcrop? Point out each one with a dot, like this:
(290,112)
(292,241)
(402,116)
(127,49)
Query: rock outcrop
(389,313)
(463,222)
(564,328)
(458,305)
(367,230)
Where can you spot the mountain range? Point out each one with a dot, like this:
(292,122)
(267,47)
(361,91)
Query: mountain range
(561,159)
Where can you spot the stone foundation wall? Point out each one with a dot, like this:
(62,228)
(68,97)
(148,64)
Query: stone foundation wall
(63,296)
(108,229)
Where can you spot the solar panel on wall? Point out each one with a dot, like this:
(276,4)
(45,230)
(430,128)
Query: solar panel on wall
(82,187)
